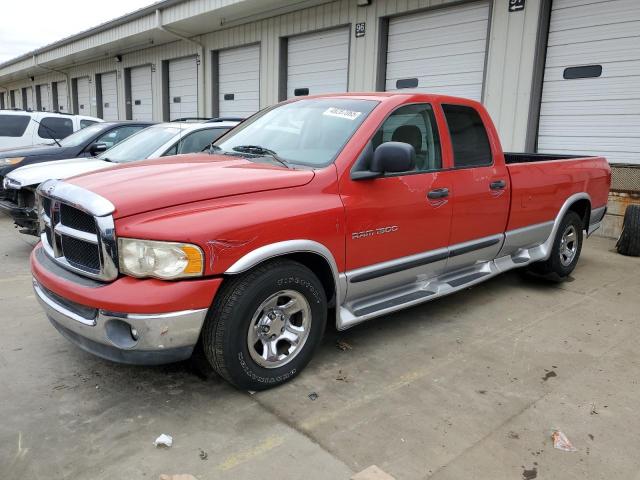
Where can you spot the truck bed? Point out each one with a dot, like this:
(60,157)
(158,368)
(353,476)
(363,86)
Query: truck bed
(517,157)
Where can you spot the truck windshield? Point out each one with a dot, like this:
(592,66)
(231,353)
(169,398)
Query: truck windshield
(305,132)
(140,145)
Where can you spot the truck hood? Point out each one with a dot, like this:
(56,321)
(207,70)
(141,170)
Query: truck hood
(37,173)
(160,183)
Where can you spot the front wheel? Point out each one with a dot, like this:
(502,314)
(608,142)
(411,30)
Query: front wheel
(265,325)
(566,249)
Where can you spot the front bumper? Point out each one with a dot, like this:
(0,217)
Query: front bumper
(144,339)
(166,317)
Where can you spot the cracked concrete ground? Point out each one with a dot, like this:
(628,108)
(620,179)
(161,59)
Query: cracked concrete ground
(469,386)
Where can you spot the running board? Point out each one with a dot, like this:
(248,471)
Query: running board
(415,294)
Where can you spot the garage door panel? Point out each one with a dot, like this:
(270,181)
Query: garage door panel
(84,96)
(183,88)
(435,45)
(592,89)
(318,61)
(614,50)
(618,126)
(239,76)
(63,105)
(593,115)
(30,99)
(109,89)
(611,107)
(141,93)
(45,99)
(609,70)
(441,19)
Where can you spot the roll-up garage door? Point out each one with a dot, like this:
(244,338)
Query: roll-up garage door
(84,96)
(439,51)
(318,62)
(141,94)
(183,88)
(16,99)
(30,104)
(45,99)
(63,105)
(591,90)
(239,81)
(109,89)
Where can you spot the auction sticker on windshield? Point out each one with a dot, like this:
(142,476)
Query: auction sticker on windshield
(341,113)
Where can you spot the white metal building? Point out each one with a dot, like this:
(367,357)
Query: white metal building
(556,75)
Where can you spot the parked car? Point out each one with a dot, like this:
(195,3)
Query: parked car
(88,142)
(153,142)
(20,128)
(357,204)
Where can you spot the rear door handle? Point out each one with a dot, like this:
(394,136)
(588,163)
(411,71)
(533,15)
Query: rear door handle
(498,185)
(438,193)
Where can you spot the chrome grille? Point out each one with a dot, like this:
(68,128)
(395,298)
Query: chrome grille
(77,233)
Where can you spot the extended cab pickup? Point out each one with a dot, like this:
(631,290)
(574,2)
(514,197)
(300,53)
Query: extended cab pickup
(350,206)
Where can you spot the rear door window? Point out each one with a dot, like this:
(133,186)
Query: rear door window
(468,137)
(86,123)
(13,125)
(55,127)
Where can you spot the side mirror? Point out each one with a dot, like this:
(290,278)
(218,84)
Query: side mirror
(97,148)
(389,157)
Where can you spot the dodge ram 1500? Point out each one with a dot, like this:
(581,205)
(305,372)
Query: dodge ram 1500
(351,206)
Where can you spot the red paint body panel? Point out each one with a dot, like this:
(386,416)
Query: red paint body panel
(230,207)
(540,188)
(132,295)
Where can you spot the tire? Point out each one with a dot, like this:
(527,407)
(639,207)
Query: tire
(560,264)
(629,241)
(248,316)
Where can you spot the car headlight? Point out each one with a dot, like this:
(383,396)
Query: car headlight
(164,260)
(9,183)
(11,160)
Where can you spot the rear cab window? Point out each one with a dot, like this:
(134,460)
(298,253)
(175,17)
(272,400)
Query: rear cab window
(13,125)
(55,127)
(469,138)
(86,123)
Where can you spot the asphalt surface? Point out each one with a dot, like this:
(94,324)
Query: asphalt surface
(469,386)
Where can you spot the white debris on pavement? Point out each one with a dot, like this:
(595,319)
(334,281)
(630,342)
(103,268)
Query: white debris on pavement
(164,440)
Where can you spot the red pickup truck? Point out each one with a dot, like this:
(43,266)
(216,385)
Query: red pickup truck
(345,207)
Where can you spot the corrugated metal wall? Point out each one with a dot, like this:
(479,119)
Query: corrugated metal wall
(510,56)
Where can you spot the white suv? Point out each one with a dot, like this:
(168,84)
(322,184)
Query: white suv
(20,128)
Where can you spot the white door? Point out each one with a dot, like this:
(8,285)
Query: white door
(63,105)
(183,88)
(84,96)
(591,90)
(109,85)
(318,62)
(141,94)
(30,100)
(439,51)
(239,81)
(17,98)
(45,99)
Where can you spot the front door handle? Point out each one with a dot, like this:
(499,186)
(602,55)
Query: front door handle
(498,185)
(438,193)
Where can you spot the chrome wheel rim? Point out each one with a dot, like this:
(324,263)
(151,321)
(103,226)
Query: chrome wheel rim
(568,245)
(279,329)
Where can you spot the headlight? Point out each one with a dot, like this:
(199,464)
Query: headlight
(9,183)
(11,160)
(164,260)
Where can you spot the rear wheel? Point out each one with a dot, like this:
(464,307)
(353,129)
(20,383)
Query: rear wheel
(566,249)
(265,325)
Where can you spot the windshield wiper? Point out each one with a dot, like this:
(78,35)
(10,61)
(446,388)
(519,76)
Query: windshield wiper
(262,151)
(51,132)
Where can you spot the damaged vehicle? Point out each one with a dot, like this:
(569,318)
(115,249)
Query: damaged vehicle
(337,208)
